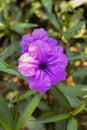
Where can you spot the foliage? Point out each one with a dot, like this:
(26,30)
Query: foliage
(64,104)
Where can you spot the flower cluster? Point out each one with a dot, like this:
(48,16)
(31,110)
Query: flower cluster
(42,61)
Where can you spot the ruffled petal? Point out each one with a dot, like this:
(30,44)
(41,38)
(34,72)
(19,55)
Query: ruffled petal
(51,41)
(57,56)
(27,65)
(26,40)
(56,74)
(39,34)
(40,82)
(39,50)
(61,57)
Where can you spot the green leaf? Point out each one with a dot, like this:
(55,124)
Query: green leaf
(31,125)
(60,97)
(71,31)
(53,20)
(47,5)
(16,25)
(53,118)
(84,88)
(6,119)
(2,26)
(80,73)
(12,86)
(24,96)
(76,27)
(73,100)
(2,4)
(82,56)
(51,16)
(43,106)
(9,50)
(4,68)
(19,27)
(5,9)
(61,125)
(69,53)
(79,108)
(28,111)
(2,34)
(73,90)
(72,124)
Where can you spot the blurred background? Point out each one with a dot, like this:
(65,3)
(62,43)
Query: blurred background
(66,21)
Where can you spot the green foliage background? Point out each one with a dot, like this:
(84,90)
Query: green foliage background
(63,107)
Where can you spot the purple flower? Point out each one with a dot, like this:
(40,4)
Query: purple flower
(37,34)
(42,61)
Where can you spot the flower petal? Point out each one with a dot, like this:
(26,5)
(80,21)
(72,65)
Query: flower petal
(26,40)
(39,50)
(51,41)
(39,34)
(40,82)
(62,58)
(57,56)
(56,74)
(27,65)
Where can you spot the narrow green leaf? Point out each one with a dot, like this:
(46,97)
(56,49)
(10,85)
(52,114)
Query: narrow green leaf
(47,5)
(84,89)
(2,34)
(74,28)
(25,96)
(4,68)
(61,125)
(51,16)
(17,25)
(4,125)
(43,106)
(82,56)
(53,118)
(53,20)
(2,26)
(79,108)
(69,53)
(80,73)
(73,90)
(60,97)
(6,119)
(31,125)
(73,100)
(5,9)
(9,50)
(2,5)
(72,124)
(28,111)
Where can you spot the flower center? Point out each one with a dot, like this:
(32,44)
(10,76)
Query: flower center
(42,66)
